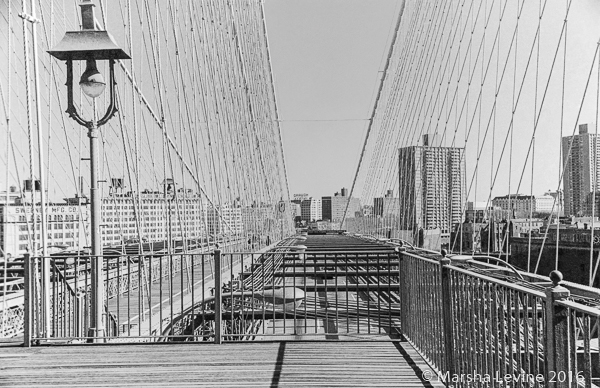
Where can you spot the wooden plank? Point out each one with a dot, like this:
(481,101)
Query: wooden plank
(233,364)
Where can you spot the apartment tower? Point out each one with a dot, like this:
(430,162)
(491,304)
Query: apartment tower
(432,186)
(580,163)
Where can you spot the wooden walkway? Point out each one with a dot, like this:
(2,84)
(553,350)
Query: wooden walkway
(273,364)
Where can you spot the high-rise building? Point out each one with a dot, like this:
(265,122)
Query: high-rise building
(300,197)
(521,206)
(580,163)
(225,219)
(255,218)
(387,205)
(20,231)
(67,224)
(432,186)
(153,216)
(126,217)
(296,210)
(311,209)
(11,196)
(335,207)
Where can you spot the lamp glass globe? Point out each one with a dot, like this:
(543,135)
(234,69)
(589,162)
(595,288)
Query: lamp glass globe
(92,82)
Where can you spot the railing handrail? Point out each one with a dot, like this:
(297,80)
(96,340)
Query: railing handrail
(347,252)
(579,307)
(480,276)
(415,256)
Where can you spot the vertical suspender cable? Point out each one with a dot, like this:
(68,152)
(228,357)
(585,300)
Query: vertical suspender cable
(511,130)
(8,141)
(375,105)
(535,119)
(595,182)
(40,141)
(562,164)
(31,150)
(29,123)
(568,153)
(276,111)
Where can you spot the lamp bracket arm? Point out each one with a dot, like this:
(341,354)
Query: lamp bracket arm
(71,110)
(112,107)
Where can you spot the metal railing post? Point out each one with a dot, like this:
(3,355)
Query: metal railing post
(27,303)
(446,298)
(218,298)
(557,346)
(403,291)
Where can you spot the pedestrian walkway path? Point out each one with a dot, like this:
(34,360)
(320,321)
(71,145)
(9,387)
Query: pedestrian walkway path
(275,364)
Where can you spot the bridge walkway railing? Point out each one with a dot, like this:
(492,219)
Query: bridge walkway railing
(281,294)
(463,319)
(526,328)
(301,295)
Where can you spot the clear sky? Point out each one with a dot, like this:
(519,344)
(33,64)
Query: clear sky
(327,58)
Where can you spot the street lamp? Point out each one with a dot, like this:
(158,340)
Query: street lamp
(91,45)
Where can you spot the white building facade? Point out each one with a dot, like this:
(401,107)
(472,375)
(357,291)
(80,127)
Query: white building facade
(522,205)
(311,209)
(125,218)
(225,220)
(152,216)
(20,233)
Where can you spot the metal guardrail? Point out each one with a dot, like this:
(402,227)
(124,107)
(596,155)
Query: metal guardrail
(71,300)
(217,297)
(11,298)
(577,329)
(11,314)
(469,325)
(142,294)
(295,295)
(478,319)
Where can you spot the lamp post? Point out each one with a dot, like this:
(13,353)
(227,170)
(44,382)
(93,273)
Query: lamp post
(91,45)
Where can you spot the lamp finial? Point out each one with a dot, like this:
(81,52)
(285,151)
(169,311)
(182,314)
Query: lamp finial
(88,20)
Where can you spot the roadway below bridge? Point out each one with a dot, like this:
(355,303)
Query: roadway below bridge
(179,282)
(340,288)
(350,289)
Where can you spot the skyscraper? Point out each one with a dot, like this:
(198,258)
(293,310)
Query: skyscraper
(432,186)
(580,165)
(311,209)
(334,207)
(387,205)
